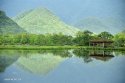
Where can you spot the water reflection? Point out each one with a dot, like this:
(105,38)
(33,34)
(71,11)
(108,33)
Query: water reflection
(7,58)
(43,61)
(35,61)
(46,65)
(40,63)
(89,55)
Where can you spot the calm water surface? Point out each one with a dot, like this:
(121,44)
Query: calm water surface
(62,66)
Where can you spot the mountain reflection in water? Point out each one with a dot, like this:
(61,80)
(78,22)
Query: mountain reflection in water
(34,63)
(37,62)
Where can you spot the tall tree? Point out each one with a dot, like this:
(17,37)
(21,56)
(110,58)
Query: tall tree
(83,38)
(119,39)
(105,35)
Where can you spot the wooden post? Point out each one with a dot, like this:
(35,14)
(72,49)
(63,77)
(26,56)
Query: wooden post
(103,44)
(89,44)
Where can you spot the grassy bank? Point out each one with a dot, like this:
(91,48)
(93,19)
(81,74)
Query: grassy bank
(28,47)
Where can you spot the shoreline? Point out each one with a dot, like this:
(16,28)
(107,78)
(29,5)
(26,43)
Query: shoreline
(28,47)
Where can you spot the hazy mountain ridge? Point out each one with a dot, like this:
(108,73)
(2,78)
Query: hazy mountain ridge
(20,16)
(98,25)
(41,21)
(8,26)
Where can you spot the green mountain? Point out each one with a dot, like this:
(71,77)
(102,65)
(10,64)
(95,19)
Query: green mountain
(41,21)
(98,25)
(8,26)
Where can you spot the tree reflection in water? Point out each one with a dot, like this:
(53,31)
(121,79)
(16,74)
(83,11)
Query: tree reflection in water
(35,61)
(89,55)
(42,61)
(7,57)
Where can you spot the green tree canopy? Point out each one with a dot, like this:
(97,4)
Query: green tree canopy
(105,35)
(119,39)
(83,38)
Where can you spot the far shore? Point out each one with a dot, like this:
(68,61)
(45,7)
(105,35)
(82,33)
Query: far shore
(35,47)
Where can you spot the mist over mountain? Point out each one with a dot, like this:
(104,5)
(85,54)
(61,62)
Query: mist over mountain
(8,26)
(98,25)
(42,21)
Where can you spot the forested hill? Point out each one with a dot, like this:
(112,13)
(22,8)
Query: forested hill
(8,26)
(41,21)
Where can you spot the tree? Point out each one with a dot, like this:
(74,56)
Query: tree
(33,39)
(87,32)
(105,35)
(60,39)
(83,38)
(119,39)
(24,39)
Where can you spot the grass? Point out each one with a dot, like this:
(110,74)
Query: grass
(29,47)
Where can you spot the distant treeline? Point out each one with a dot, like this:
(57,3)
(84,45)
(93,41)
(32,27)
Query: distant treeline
(81,39)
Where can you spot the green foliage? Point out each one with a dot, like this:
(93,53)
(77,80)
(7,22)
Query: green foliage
(2,13)
(61,39)
(105,35)
(33,39)
(8,26)
(119,39)
(83,38)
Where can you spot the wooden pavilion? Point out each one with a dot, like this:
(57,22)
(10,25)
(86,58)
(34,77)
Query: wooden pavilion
(101,43)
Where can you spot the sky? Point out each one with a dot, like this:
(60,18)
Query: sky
(68,10)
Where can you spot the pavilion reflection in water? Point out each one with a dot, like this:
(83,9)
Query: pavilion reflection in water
(89,55)
(101,55)
(44,61)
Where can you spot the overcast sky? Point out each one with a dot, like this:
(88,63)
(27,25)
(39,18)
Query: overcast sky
(68,10)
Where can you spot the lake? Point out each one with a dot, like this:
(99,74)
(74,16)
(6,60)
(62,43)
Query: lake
(62,66)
